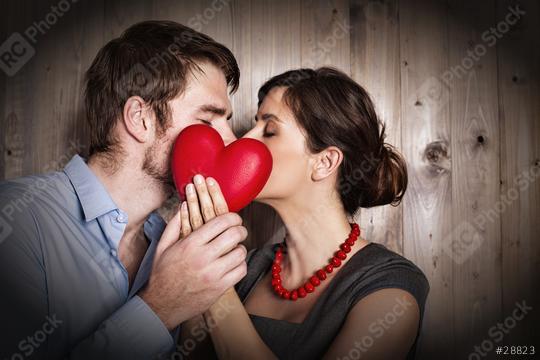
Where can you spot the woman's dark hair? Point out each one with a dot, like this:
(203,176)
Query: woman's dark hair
(334,110)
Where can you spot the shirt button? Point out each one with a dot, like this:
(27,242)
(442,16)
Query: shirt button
(121,218)
(113,252)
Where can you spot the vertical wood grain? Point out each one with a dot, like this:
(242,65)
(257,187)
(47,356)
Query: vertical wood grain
(325,34)
(16,112)
(475,242)
(470,135)
(427,207)
(275,48)
(42,108)
(519,95)
(375,65)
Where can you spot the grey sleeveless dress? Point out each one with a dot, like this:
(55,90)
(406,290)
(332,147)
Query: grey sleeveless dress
(372,268)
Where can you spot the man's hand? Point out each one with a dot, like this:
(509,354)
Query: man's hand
(189,275)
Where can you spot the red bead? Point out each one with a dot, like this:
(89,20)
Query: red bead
(345,247)
(336,262)
(319,276)
(315,280)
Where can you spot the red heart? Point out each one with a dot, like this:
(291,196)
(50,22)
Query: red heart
(241,168)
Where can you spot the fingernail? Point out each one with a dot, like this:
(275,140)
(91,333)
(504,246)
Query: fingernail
(184,205)
(198,179)
(210,182)
(190,188)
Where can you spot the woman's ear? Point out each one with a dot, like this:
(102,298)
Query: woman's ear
(137,120)
(326,163)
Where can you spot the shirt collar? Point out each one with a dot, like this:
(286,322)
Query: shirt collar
(94,198)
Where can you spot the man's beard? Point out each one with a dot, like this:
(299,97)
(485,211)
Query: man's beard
(162,174)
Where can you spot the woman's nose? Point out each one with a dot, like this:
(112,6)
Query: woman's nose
(251,134)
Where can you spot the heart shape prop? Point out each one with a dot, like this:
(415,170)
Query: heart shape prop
(241,169)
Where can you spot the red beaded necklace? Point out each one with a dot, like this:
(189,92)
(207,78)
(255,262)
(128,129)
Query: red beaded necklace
(320,275)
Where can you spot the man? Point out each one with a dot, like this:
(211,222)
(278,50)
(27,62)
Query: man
(90,270)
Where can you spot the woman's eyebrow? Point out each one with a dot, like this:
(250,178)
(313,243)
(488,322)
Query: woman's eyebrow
(268,116)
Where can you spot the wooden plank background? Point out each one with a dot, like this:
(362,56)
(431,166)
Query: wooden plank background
(462,104)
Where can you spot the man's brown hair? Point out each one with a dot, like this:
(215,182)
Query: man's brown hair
(151,59)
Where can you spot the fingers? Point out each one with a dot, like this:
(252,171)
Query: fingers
(214,227)
(226,242)
(234,276)
(206,205)
(220,205)
(184,220)
(231,260)
(195,217)
(171,233)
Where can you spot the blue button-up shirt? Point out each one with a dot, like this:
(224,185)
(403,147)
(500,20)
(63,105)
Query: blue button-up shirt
(65,292)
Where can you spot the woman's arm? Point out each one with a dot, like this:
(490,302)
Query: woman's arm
(382,325)
(205,201)
(232,331)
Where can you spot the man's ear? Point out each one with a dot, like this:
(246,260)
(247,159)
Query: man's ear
(326,163)
(136,119)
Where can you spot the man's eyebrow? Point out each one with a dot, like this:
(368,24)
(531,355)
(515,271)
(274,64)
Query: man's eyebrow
(215,110)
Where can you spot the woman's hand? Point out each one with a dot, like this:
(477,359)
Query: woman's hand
(204,201)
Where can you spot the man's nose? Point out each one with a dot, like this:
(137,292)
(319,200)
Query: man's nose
(228,136)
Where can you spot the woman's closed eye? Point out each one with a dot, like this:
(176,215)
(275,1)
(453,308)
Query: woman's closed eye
(269,130)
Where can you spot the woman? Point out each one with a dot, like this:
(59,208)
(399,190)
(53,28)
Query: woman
(325,291)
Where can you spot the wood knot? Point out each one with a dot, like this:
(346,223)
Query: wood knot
(480,139)
(437,155)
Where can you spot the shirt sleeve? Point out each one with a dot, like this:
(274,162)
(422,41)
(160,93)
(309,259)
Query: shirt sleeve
(133,331)
(393,272)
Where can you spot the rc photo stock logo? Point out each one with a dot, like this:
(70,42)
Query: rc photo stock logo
(18,48)
(5,229)
(462,242)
